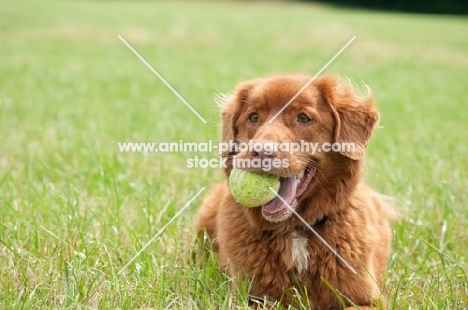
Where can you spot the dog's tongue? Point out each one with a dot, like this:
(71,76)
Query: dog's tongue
(287,191)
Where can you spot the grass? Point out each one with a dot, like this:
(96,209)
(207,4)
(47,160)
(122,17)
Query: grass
(74,210)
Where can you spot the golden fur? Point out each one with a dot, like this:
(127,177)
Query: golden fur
(345,212)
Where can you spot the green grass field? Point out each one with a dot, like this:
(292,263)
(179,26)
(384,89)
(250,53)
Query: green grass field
(75,210)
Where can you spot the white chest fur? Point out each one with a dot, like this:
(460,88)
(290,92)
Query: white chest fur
(299,252)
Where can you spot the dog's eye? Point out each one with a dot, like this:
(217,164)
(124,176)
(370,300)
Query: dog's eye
(302,118)
(253,118)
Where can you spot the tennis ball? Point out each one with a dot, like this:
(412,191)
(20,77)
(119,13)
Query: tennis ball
(252,189)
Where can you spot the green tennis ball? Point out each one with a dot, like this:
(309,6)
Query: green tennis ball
(252,189)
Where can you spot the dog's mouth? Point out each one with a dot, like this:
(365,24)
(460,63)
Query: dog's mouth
(290,189)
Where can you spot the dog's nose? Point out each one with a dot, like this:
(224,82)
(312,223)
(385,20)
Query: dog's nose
(263,149)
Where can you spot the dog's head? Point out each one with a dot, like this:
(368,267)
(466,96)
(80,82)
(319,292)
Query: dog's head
(315,144)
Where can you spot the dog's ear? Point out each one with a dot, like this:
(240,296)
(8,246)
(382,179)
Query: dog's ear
(355,116)
(231,108)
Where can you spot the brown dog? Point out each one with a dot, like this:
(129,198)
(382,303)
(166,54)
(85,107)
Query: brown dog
(268,245)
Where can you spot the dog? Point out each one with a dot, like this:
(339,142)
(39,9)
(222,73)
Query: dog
(269,246)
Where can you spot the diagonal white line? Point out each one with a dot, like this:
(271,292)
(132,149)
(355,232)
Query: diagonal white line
(312,79)
(53,235)
(316,233)
(162,79)
(161,230)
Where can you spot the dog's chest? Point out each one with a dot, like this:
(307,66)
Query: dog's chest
(299,251)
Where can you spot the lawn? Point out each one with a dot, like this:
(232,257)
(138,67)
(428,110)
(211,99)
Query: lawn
(75,210)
